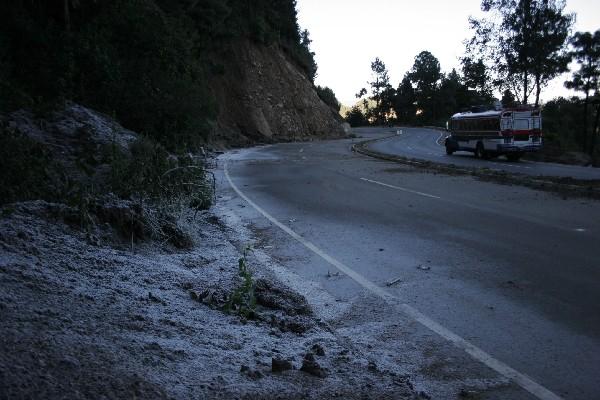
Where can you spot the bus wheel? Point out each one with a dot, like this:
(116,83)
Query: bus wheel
(513,157)
(450,148)
(480,151)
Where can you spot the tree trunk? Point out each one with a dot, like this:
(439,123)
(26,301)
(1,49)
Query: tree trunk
(538,89)
(585,118)
(525,87)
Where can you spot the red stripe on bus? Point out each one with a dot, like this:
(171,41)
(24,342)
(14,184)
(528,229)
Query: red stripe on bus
(521,132)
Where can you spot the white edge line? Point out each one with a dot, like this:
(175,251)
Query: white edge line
(438,139)
(401,188)
(520,379)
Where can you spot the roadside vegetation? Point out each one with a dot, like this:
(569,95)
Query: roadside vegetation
(242,300)
(28,170)
(328,97)
(147,64)
(139,189)
(513,52)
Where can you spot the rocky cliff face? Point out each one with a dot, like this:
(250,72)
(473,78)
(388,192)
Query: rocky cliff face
(264,97)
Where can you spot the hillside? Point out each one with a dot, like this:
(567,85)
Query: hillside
(120,277)
(118,282)
(184,72)
(263,96)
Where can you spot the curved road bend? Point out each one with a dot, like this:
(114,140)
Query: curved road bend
(428,144)
(514,271)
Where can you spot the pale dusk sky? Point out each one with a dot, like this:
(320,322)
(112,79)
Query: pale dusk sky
(348,34)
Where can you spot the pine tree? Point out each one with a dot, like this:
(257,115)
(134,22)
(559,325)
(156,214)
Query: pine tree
(425,76)
(404,102)
(524,41)
(586,51)
(382,92)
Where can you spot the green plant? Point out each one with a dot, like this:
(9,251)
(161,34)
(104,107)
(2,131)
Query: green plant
(83,202)
(243,301)
(328,97)
(150,172)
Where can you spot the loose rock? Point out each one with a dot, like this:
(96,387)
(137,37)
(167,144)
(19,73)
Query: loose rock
(250,373)
(280,365)
(312,367)
(372,366)
(318,350)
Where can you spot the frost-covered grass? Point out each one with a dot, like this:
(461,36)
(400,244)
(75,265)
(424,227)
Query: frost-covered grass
(83,319)
(83,159)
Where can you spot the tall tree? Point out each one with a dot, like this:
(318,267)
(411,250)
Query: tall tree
(446,98)
(551,29)
(381,91)
(309,55)
(524,41)
(425,76)
(508,99)
(364,101)
(404,101)
(454,95)
(586,51)
(476,77)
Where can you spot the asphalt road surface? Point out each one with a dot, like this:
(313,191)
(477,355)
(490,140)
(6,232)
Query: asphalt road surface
(412,258)
(428,144)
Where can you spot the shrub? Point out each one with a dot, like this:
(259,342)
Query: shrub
(127,58)
(28,171)
(150,172)
(355,117)
(328,97)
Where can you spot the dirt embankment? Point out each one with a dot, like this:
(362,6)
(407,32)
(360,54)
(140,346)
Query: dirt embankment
(84,318)
(264,97)
(114,297)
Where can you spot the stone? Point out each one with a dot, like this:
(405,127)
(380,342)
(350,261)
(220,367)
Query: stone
(280,365)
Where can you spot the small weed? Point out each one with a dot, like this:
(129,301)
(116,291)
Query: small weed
(243,301)
(83,203)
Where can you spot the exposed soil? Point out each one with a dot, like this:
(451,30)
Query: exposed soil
(264,97)
(88,317)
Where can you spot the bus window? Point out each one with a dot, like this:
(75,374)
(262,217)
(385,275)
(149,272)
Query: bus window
(521,124)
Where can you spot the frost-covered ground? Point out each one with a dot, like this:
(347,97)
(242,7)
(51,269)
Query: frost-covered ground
(87,316)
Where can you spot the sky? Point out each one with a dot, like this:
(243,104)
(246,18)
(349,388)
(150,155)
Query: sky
(348,34)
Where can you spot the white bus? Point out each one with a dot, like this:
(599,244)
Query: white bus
(511,132)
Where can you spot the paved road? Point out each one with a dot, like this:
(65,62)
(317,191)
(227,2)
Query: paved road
(514,271)
(427,144)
